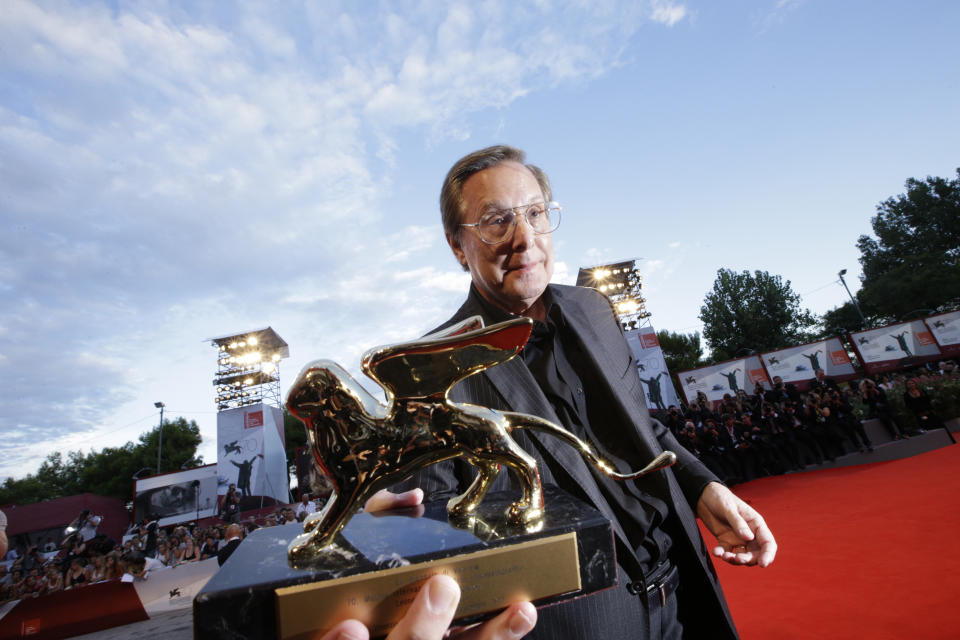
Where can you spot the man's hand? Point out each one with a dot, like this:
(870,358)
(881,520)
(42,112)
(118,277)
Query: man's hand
(742,534)
(431,613)
(383,500)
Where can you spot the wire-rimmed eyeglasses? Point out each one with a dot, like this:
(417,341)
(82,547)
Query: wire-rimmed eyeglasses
(497,226)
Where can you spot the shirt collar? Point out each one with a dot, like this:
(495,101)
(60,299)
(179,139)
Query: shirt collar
(495,314)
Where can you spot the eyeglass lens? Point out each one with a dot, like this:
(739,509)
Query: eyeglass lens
(542,219)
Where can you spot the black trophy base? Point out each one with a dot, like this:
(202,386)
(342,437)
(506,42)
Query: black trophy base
(379,562)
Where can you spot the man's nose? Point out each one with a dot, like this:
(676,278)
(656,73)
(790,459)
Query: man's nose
(522,232)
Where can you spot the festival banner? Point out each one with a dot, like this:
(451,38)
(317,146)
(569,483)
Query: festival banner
(723,378)
(895,346)
(177,497)
(800,364)
(657,386)
(945,328)
(250,453)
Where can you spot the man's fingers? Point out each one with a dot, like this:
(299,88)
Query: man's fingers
(768,546)
(514,622)
(431,611)
(384,499)
(739,554)
(742,516)
(347,630)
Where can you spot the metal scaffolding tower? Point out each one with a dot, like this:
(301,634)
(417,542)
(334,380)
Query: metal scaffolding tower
(248,368)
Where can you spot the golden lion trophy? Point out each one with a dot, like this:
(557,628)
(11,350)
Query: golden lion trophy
(543,546)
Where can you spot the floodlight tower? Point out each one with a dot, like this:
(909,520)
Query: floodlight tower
(248,368)
(621,282)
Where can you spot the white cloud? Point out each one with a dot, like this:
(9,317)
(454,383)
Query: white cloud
(169,175)
(562,273)
(778,14)
(666,12)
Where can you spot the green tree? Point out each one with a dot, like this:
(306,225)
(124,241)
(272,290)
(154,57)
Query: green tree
(752,311)
(914,261)
(180,441)
(107,472)
(843,319)
(681,351)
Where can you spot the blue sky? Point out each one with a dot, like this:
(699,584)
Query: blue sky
(171,172)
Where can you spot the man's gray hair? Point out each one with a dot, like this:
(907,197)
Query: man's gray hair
(451,195)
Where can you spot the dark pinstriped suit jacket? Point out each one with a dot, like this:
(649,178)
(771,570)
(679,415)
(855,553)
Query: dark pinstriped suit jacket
(511,386)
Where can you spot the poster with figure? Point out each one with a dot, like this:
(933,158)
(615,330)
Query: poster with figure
(657,386)
(800,364)
(250,453)
(177,497)
(723,378)
(895,346)
(945,329)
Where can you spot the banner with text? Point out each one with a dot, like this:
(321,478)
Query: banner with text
(895,346)
(800,364)
(652,368)
(726,377)
(945,328)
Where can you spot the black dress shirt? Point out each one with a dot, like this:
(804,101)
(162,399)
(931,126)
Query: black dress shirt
(567,378)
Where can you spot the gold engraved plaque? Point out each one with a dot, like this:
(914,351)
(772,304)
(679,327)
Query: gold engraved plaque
(489,581)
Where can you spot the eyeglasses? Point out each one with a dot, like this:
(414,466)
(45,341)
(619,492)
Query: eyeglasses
(498,226)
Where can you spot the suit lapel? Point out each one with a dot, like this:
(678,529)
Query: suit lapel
(615,376)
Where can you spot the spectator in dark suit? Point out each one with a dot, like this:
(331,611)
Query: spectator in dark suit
(234,538)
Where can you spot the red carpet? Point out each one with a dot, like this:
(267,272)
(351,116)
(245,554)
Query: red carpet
(865,552)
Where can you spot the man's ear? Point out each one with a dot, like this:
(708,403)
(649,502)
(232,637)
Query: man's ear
(454,243)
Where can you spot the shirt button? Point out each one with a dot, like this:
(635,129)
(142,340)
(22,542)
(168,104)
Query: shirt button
(580,390)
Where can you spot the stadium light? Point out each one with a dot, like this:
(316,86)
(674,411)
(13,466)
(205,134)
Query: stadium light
(248,368)
(621,282)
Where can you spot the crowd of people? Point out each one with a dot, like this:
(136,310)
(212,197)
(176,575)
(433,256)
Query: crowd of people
(86,556)
(781,429)
(741,437)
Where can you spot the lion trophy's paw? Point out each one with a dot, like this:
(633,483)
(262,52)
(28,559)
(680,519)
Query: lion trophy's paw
(311,521)
(523,513)
(460,507)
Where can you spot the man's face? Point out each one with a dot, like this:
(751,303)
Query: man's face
(514,273)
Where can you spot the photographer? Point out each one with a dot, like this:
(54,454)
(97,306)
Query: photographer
(85,524)
(3,534)
(782,436)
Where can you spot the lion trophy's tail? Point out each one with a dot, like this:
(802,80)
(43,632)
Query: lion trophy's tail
(533,423)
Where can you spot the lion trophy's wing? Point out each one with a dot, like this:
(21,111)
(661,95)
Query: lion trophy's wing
(430,366)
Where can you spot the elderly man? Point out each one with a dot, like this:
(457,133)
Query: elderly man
(234,536)
(306,507)
(577,370)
